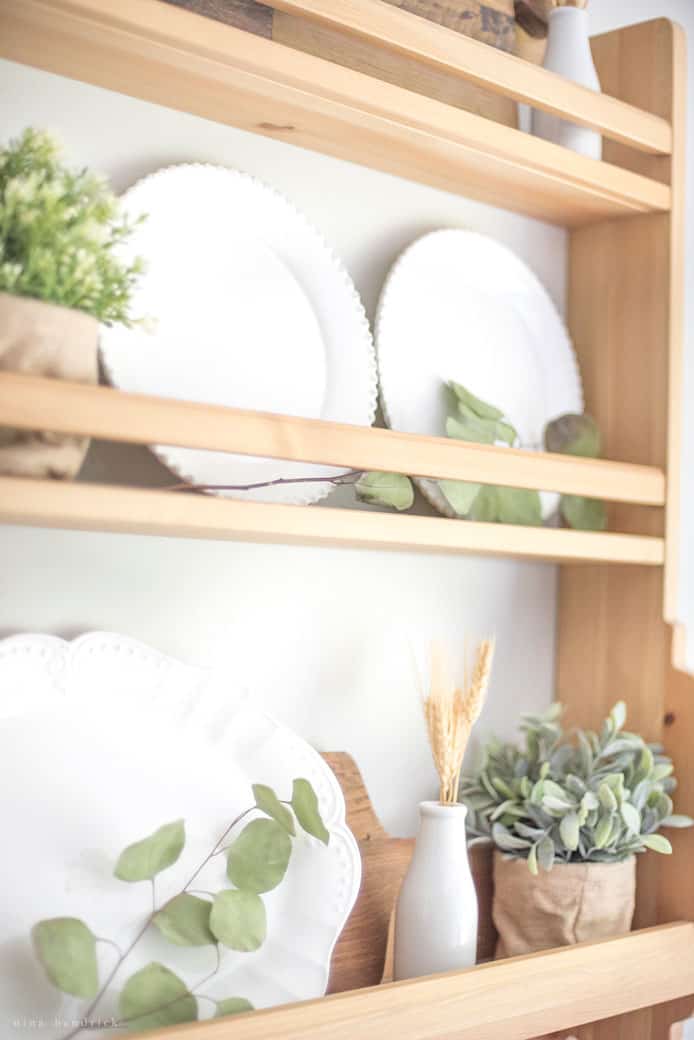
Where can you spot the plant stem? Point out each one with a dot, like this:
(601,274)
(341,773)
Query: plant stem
(343,478)
(150,917)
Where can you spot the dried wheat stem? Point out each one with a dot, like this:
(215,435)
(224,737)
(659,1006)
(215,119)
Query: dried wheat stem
(451,713)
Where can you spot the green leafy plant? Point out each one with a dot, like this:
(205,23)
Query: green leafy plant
(235,917)
(475,420)
(599,797)
(60,231)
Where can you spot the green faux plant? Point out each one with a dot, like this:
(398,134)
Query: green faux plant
(471,419)
(596,798)
(60,231)
(235,917)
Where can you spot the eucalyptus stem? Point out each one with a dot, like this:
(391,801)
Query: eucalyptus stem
(341,479)
(150,917)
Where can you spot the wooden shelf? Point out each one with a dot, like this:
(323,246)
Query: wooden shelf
(95,507)
(74,408)
(159,53)
(424,41)
(521,998)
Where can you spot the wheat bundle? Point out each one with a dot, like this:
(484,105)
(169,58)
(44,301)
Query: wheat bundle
(451,712)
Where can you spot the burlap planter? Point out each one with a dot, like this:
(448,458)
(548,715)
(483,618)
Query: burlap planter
(573,902)
(42,339)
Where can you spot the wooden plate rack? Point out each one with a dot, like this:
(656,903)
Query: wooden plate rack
(617,589)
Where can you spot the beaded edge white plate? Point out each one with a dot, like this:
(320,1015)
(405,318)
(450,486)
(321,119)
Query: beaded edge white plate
(251,210)
(106,709)
(416,404)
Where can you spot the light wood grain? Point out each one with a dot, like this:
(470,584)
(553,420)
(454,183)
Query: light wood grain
(160,53)
(361,54)
(95,507)
(518,998)
(394,30)
(62,407)
(625,322)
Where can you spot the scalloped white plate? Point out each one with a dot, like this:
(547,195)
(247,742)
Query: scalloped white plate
(103,740)
(459,305)
(251,310)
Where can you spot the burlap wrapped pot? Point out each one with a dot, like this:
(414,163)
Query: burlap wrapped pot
(42,339)
(573,902)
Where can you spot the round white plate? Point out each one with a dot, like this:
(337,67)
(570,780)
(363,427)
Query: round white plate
(458,305)
(101,742)
(250,310)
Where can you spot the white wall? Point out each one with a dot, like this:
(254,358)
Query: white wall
(322,638)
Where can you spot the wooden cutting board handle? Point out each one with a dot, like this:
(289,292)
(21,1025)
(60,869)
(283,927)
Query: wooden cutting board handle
(360,954)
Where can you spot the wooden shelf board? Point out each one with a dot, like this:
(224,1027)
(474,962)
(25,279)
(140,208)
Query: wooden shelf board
(159,53)
(63,407)
(96,507)
(435,45)
(521,998)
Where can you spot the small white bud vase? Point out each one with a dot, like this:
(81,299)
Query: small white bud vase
(436,913)
(568,53)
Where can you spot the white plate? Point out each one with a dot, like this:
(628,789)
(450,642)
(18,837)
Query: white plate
(458,305)
(102,741)
(251,310)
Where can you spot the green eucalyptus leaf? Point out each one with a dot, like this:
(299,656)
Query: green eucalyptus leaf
(661,770)
(259,857)
(146,858)
(385,489)
(155,997)
(474,432)
(238,920)
(460,494)
(268,802)
(583,514)
(573,435)
(233,1006)
(305,806)
(569,830)
(66,948)
(507,506)
(545,853)
(656,842)
(479,407)
(185,921)
(589,801)
(677,820)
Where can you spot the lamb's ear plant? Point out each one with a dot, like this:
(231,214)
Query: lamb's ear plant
(233,918)
(60,233)
(593,797)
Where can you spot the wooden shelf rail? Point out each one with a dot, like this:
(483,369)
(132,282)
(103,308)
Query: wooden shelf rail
(398,31)
(95,507)
(521,998)
(62,407)
(159,53)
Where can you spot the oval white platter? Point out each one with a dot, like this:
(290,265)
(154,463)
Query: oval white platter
(250,309)
(459,305)
(102,741)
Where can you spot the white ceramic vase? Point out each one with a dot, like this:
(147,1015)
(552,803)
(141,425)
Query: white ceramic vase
(568,53)
(436,914)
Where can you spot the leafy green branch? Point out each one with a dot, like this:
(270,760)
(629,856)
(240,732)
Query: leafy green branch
(256,862)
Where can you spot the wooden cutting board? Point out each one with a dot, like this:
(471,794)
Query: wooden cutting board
(360,957)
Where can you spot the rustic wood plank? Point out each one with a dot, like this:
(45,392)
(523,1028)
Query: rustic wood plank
(95,507)
(60,406)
